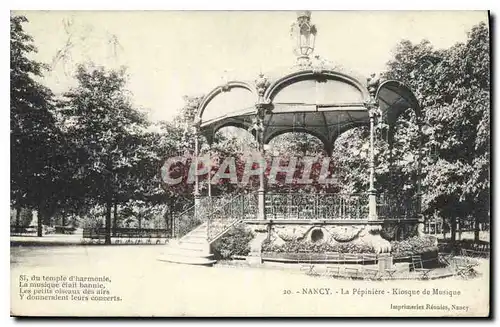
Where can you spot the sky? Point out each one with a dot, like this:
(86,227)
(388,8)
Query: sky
(171,54)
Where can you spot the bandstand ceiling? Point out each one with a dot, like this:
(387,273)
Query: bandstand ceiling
(322,103)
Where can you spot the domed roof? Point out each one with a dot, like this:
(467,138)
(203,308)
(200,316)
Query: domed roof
(315,96)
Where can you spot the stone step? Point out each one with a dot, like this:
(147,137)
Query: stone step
(187,253)
(193,240)
(193,246)
(196,235)
(198,232)
(202,261)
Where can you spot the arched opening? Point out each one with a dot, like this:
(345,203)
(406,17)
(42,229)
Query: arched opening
(225,101)
(317,235)
(297,142)
(350,157)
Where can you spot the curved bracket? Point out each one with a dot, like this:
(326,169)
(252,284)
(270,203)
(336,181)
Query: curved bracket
(405,93)
(394,86)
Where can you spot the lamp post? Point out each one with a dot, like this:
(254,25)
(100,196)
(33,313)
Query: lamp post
(304,35)
(196,129)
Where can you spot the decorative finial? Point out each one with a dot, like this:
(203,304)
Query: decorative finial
(261,83)
(225,82)
(372,84)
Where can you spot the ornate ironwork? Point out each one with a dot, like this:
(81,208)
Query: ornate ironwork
(219,212)
(390,207)
(335,206)
(241,207)
(316,206)
(186,221)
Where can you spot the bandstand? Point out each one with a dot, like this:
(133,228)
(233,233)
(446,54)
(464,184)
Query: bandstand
(316,98)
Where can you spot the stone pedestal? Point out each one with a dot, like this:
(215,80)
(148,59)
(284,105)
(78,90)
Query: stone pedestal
(384,262)
(254,259)
(372,205)
(261,204)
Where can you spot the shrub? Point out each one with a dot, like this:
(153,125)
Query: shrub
(235,242)
(414,246)
(305,246)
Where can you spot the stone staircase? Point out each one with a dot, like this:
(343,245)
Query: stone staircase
(193,248)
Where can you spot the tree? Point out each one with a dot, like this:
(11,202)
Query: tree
(37,151)
(453,88)
(107,138)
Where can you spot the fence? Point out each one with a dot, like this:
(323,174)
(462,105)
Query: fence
(100,233)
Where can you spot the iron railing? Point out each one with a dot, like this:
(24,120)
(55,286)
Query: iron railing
(390,207)
(186,220)
(224,211)
(316,206)
(243,206)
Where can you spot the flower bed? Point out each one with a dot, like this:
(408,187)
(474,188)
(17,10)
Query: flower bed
(294,251)
(320,248)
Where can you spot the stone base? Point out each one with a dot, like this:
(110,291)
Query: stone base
(254,260)
(337,236)
(192,252)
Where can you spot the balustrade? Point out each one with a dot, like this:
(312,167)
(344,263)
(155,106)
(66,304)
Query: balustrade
(222,212)
(316,206)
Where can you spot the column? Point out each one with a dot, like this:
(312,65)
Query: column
(372,193)
(209,188)
(372,83)
(418,200)
(261,193)
(196,192)
(262,106)
(209,178)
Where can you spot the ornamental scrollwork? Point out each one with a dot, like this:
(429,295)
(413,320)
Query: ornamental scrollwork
(372,84)
(261,84)
(345,234)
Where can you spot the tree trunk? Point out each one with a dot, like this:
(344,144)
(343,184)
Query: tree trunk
(39,229)
(453,230)
(166,220)
(172,223)
(443,228)
(115,218)
(63,218)
(460,227)
(476,229)
(107,239)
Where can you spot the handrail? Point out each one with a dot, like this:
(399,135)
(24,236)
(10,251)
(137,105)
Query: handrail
(205,210)
(222,219)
